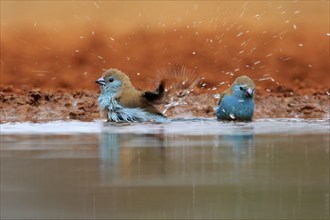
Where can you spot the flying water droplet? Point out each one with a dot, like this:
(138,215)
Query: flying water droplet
(239,34)
(216,96)
(265,78)
(232,116)
(96,5)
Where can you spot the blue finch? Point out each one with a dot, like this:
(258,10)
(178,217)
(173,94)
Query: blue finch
(119,101)
(237,102)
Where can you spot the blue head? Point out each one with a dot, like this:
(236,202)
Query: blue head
(243,88)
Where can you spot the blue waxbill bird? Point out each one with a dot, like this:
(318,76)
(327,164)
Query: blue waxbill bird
(119,101)
(237,102)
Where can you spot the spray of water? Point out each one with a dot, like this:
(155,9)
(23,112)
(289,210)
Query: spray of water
(181,82)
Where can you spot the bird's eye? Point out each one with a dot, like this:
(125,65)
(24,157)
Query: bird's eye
(111,79)
(241,88)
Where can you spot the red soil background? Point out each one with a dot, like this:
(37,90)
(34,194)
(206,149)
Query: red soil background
(284,47)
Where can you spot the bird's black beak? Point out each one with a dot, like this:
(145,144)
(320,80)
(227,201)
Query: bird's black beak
(249,92)
(100,81)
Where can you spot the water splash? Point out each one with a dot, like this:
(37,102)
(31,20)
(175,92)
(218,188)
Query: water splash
(181,83)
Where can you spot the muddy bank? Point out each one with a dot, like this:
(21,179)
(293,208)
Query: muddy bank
(43,105)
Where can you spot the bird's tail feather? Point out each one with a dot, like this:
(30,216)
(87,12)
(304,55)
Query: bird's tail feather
(157,94)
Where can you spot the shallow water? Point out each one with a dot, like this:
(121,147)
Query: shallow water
(196,168)
(194,126)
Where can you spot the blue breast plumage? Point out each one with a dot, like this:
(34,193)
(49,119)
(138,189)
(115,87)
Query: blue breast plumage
(233,108)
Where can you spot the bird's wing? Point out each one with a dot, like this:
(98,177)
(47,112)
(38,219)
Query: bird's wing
(137,99)
(223,94)
(130,99)
(221,97)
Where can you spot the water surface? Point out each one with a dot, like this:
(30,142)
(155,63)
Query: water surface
(197,168)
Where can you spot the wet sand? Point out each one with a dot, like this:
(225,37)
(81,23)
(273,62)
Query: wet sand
(37,105)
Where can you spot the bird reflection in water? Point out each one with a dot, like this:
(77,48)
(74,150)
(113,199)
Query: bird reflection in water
(131,158)
(127,157)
